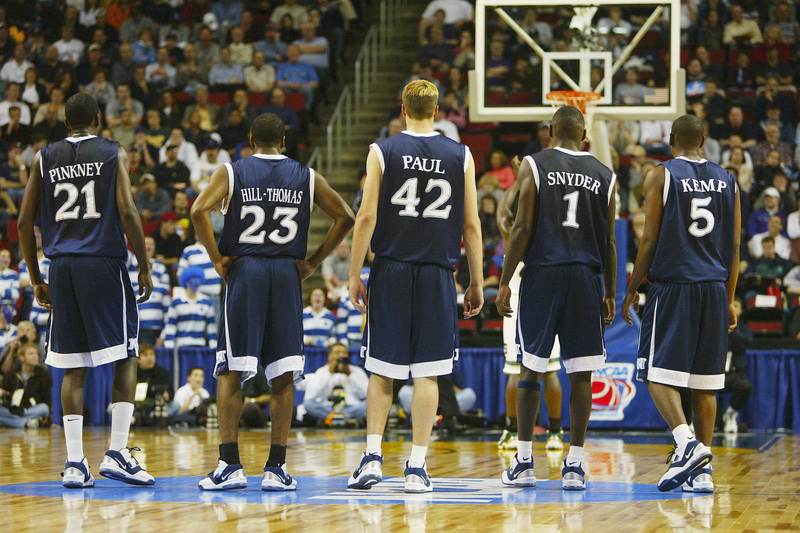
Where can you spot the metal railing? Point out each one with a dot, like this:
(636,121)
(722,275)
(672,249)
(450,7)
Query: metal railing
(366,66)
(339,128)
(315,161)
(389,17)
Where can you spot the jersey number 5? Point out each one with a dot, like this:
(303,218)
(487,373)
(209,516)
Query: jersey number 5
(407,197)
(697,212)
(70,211)
(286,214)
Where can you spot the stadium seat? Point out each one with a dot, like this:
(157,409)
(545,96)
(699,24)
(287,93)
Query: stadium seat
(521,99)
(257,100)
(717,56)
(477,142)
(13,231)
(765,315)
(219,99)
(295,101)
(473,127)
(480,162)
(150,226)
(182,96)
(496,98)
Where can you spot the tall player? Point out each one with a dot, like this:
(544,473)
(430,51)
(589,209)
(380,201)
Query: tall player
(81,190)
(690,252)
(564,230)
(267,200)
(419,198)
(506,211)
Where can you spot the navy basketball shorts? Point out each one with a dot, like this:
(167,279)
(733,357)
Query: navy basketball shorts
(567,301)
(262,319)
(684,338)
(412,320)
(95,319)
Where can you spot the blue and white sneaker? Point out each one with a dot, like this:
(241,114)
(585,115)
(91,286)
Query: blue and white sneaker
(368,473)
(277,479)
(77,476)
(122,466)
(699,481)
(417,480)
(682,461)
(225,477)
(519,474)
(573,477)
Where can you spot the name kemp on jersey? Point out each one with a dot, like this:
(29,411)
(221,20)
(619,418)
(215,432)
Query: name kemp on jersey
(573,179)
(690,185)
(80,170)
(284,196)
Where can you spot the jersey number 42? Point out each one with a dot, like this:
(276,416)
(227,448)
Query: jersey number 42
(406,196)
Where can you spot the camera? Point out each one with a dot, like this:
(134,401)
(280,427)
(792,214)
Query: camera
(337,397)
(341,364)
(23,339)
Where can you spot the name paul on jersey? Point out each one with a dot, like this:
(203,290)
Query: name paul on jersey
(690,185)
(422,164)
(75,171)
(284,196)
(576,180)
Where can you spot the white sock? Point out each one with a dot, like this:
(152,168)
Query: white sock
(524,451)
(417,458)
(73,431)
(121,413)
(374,444)
(681,434)
(575,456)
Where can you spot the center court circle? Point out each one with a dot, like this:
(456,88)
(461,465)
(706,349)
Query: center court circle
(331,490)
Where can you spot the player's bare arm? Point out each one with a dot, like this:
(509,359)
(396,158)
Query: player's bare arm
(364,228)
(132,225)
(27,240)
(504,219)
(730,285)
(336,208)
(654,211)
(473,243)
(210,197)
(610,275)
(520,236)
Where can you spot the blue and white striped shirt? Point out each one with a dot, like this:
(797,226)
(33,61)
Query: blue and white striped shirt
(190,322)
(196,255)
(153,312)
(319,329)
(39,315)
(9,286)
(349,324)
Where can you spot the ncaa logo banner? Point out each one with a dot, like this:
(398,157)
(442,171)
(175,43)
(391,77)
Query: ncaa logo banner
(613,389)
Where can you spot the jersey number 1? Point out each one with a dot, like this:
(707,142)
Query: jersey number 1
(70,211)
(572,210)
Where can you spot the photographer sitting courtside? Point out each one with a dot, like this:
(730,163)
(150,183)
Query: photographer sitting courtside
(337,392)
(25,395)
(153,388)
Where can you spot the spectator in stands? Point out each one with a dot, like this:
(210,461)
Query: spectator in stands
(14,69)
(782,246)
(336,270)
(464,398)
(235,131)
(793,227)
(534,26)
(787,132)
(771,96)
(225,75)
(339,379)
(736,126)
(290,119)
(172,175)
(8,331)
(260,76)
(152,201)
(457,13)
(465,52)
(122,69)
(100,88)
(32,408)
(288,32)
(523,78)
(631,92)
(51,127)
(209,113)
(741,32)
(26,332)
(161,74)
(785,23)
(771,143)
(9,280)
(640,167)
(299,14)
(12,100)
(187,152)
(241,102)
(273,48)
(25,280)
(654,136)
(56,99)
(773,67)
(452,112)
(132,27)
(153,312)
(741,76)
(83,72)
(711,69)
(50,68)
(144,48)
(169,245)
(440,54)
(191,74)
(294,76)
(501,169)
(314,50)
(137,169)
(488,185)
(498,67)
(174,27)
(123,130)
(15,131)
(123,101)
(695,80)
(772,39)
(187,408)
(769,265)
(211,158)
(207,50)
(543,141)
(14,173)
(228,13)
(241,52)
(190,320)
(184,227)
(488,217)
(780,182)
(759,219)
(319,323)
(737,384)
(69,48)
(196,256)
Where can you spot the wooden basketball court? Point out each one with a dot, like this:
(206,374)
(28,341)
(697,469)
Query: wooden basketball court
(757,479)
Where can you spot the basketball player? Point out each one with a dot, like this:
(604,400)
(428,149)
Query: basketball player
(267,200)
(564,231)
(80,188)
(419,198)
(506,211)
(690,252)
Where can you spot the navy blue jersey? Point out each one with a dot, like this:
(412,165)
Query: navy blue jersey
(421,204)
(573,193)
(268,207)
(697,229)
(79,214)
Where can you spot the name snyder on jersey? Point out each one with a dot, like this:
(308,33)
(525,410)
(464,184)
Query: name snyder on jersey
(75,171)
(573,179)
(284,196)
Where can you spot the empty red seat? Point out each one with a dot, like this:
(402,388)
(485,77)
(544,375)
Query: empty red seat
(477,142)
(496,98)
(520,99)
(219,99)
(295,101)
(257,100)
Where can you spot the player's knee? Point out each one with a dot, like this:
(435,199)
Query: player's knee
(531,385)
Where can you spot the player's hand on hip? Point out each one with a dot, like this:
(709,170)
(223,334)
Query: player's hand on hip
(515,163)
(224,265)
(306,269)
(631,299)
(503,301)
(473,301)
(732,319)
(610,310)
(42,293)
(358,294)
(145,287)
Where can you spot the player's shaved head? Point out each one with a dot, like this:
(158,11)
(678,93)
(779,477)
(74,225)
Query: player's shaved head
(80,111)
(569,124)
(688,132)
(268,130)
